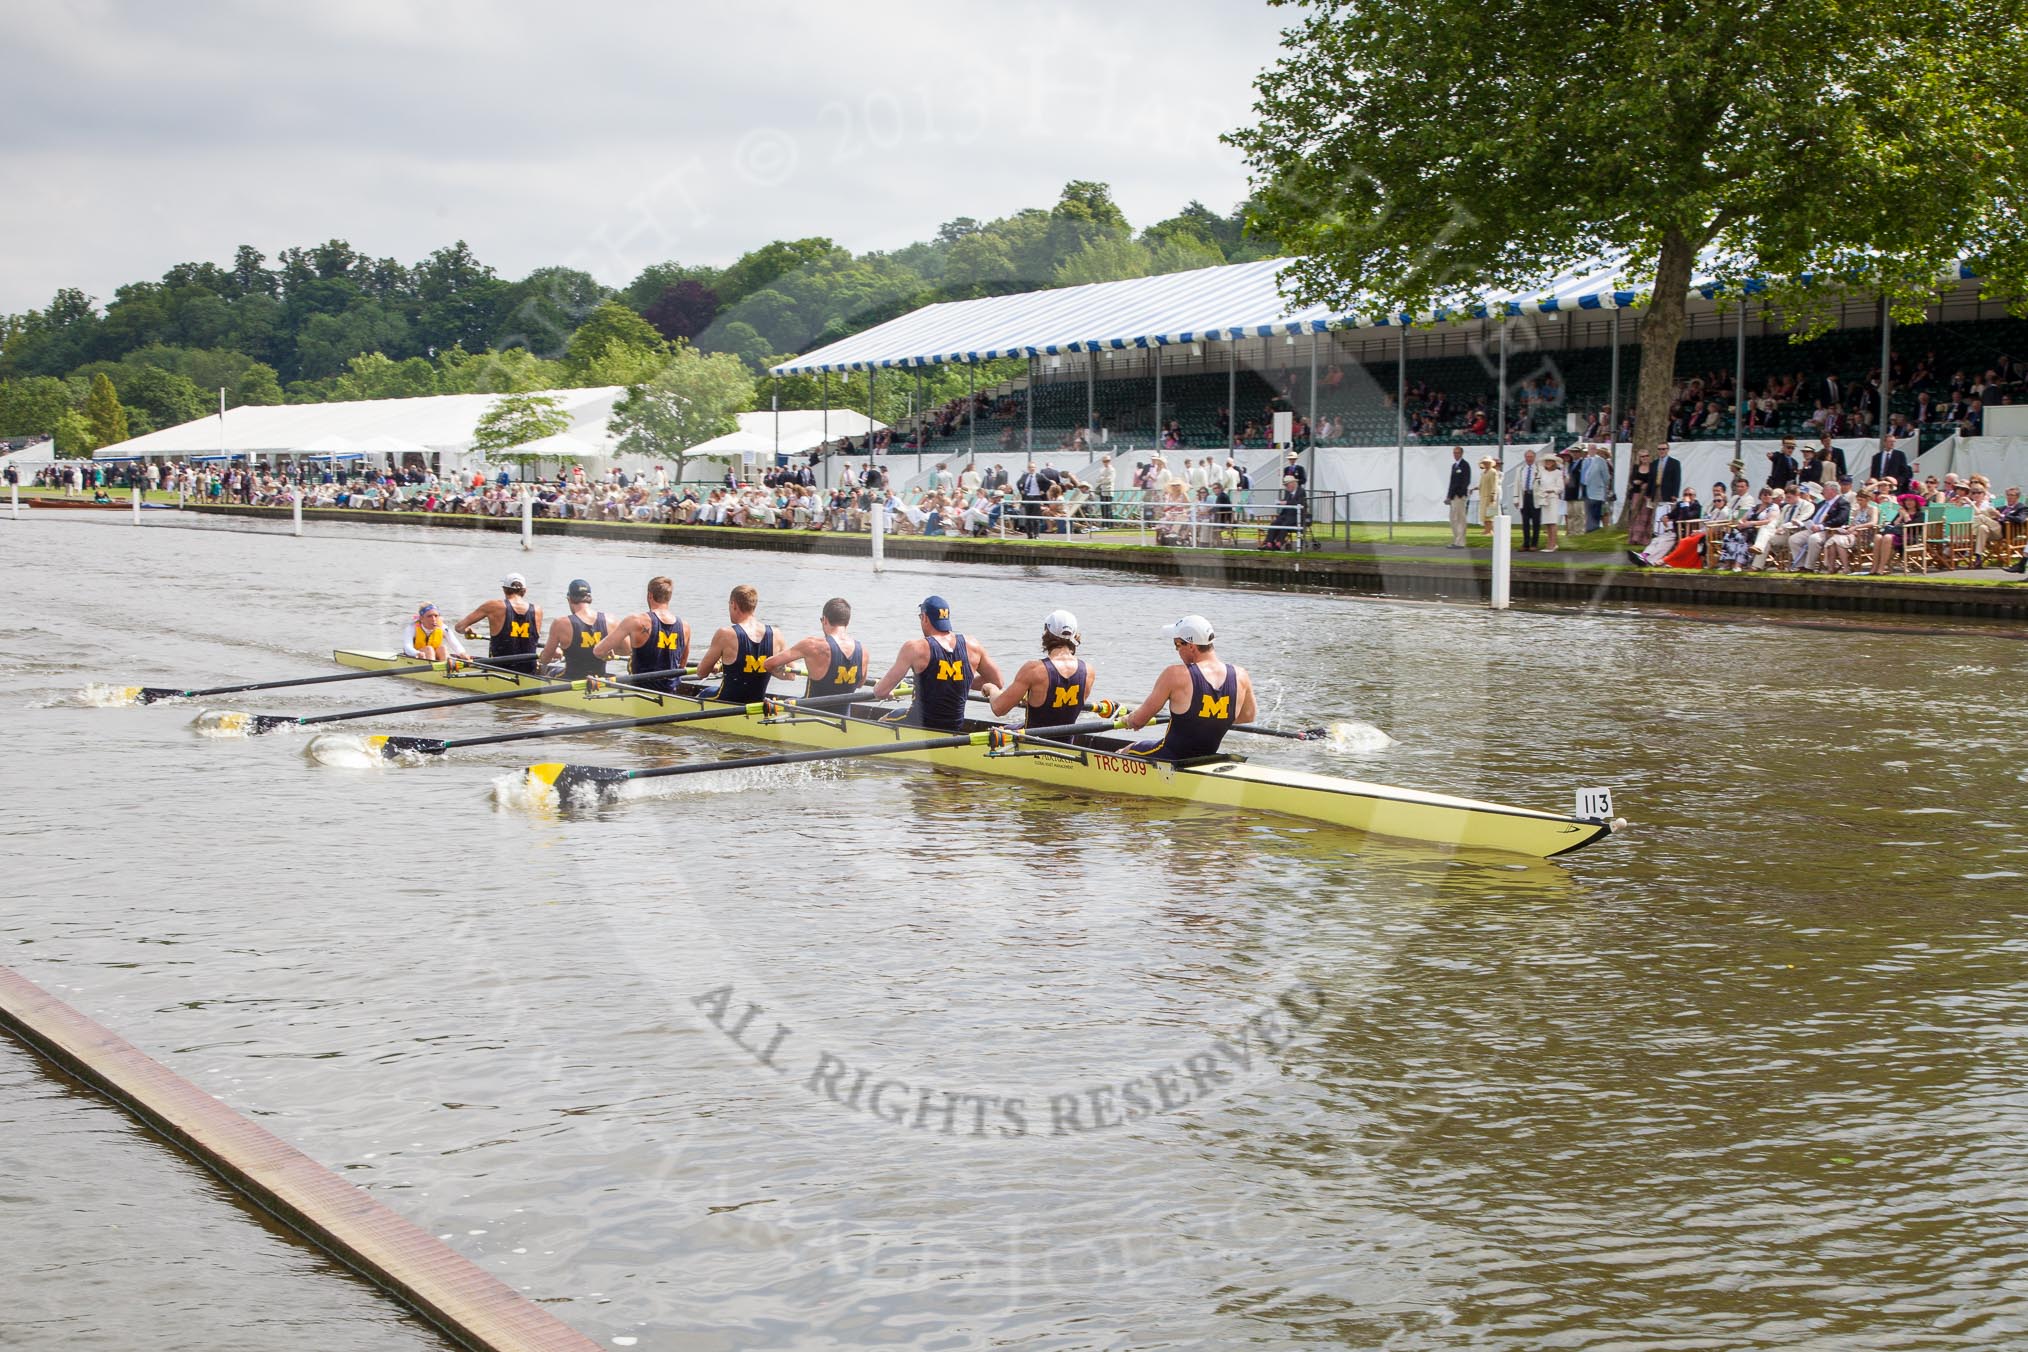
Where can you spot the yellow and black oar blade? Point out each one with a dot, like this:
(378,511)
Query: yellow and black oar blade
(392,748)
(573,781)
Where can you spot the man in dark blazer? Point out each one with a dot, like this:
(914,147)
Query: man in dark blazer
(1458,495)
(1781,465)
(1668,475)
(1889,463)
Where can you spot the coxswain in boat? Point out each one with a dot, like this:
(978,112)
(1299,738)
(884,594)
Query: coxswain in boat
(574,638)
(513,624)
(834,661)
(946,665)
(740,650)
(1053,689)
(656,643)
(428,639)
(1202,695)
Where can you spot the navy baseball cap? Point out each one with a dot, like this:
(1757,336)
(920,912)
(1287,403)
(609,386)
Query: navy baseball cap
(938,612)
(579,590)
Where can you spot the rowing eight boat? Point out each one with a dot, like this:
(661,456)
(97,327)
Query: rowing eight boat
(1091,764)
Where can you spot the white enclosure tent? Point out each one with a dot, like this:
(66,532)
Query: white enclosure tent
(442,425)
(30,459)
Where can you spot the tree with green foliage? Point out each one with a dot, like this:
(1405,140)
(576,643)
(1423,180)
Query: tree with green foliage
(29,407)
(1419,152)
(257,386)
(615,346)
(73,435)
(105,419)
(1104,260)
(692,398)
(515,420)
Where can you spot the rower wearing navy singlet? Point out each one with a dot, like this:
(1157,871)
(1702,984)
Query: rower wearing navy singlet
(1202,695)
(1053,690)
(740,650)
(834,661)
(656,642)
(574,637)
(514,623)
(946,664)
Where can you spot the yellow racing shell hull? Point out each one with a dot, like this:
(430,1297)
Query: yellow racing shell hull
(1230,783)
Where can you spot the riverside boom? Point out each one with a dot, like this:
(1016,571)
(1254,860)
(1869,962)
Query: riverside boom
(1091,763)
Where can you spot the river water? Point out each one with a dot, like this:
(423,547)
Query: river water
(1054,1071)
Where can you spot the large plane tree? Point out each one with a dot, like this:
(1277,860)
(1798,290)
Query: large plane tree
(1420,152)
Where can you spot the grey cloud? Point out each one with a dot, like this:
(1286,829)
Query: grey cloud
(604,135)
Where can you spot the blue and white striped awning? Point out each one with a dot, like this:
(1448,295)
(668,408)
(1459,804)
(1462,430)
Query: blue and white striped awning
(1237,300)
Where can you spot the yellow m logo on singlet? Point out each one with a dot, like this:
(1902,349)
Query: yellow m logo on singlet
(1215,706)
(667,640)
(845,676)
(949,669)
(756,662)
(590,639)
(517,629)
(1068,697)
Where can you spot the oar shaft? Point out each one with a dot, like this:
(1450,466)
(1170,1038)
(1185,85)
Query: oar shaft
(486,697)
(798,757)
(653,721)
(300,680)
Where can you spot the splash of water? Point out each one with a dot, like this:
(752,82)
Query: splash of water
(518,791)
(97,696)
(222,723)
(1355,738)
(343,751)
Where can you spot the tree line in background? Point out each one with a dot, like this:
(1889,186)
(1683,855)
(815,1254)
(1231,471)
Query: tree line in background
(330,323)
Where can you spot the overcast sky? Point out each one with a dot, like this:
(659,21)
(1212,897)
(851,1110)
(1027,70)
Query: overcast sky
(602,135)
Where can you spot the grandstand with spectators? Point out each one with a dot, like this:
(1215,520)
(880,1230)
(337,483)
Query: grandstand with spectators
(1201,361)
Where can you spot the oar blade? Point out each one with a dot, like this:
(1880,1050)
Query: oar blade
(151,694)
(394,748)
(575,782)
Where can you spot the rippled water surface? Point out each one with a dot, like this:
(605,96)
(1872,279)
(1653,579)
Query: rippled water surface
(857,1055)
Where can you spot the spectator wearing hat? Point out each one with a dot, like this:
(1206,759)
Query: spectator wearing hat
(1489,492)
(1550,496)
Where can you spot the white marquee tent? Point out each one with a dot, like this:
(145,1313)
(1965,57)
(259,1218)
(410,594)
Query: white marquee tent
(441,424)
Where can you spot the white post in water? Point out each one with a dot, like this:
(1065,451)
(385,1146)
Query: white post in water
(527,519)
(879,536)
(1503,559)
(296,511)
(137,505)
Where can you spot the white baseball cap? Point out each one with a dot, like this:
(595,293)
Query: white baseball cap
(513,580)
(1061,623)
(1192,629)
